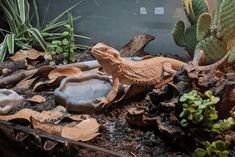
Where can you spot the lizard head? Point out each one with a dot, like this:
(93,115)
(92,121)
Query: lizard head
(108,57)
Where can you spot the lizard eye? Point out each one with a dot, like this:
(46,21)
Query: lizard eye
(106,49)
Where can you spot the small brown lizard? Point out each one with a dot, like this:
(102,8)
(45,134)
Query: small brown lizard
(148,72)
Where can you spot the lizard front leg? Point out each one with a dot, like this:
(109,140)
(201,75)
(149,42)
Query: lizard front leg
(168,68)
(104,101)
(166,78)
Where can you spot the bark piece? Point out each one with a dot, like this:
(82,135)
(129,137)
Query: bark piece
(68,71)
(37,99)
(135,47)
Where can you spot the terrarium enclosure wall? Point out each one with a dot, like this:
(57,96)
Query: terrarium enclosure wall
(115,22)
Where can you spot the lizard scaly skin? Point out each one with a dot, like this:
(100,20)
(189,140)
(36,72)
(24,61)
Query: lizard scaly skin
(148,72)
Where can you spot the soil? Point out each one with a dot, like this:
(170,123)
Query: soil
(116,134)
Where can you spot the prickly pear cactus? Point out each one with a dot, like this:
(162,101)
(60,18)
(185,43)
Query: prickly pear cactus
(222,38)
(215,35)
(213,47)
(187,37)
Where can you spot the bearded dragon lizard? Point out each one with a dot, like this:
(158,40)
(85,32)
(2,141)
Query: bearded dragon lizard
(148,72)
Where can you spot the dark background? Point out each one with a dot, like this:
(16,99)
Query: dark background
(114,22)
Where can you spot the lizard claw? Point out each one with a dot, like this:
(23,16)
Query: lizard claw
(102,102)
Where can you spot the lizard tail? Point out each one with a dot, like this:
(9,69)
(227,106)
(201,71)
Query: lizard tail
(216,64)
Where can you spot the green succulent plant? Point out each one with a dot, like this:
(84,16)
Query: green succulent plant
(198,110)
(65,45)
(223,125)
(217,148)
(24,33)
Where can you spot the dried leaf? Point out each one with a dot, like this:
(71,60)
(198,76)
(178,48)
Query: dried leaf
(22,114)
(44,71)
(84,131)
(25,84)
(27,113)
(31,54)
(37,99)
(50,128)
(56,115)
(68,71)
(40,86)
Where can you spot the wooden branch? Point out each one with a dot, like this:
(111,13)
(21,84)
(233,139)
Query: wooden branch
(12,66)
(11,80)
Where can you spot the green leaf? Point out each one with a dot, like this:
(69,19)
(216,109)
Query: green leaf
(83,37)
(198,102)
(220,145)
(213,115)
(231,121)
(185,112)
(52,63)
(224,153)
(36,14)
(211,149)
(199,152)
(215,100)
(208,94)
(56,42)
(10,43)
(184,97)
(190,117)
(193,93)
(65,42)
(38,37)
(185,105)
(3,49)
(50,27)
(55,20)
(206,144)
(184,123)
(191,109)
(21,7)
(198,117)
(66,33)
(67,26)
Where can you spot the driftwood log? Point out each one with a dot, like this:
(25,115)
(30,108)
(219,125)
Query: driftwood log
(11,66)
(13,79)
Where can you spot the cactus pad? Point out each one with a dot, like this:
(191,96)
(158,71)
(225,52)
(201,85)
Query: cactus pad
(178,33)
(199,7)
(226,19)
(214,48)
(190,39)
(203,26)
(194,8)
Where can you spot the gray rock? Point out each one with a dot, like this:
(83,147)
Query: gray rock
(8,100)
